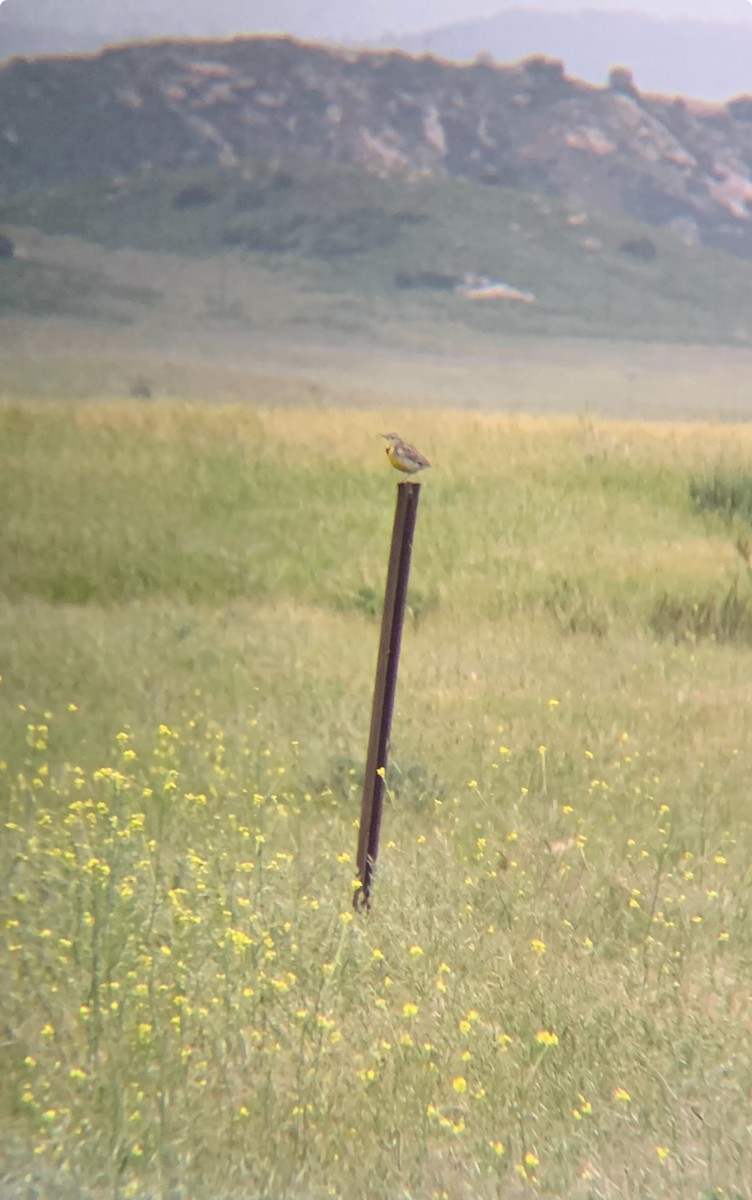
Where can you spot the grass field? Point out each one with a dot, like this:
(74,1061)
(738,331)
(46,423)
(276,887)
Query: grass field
(551,994)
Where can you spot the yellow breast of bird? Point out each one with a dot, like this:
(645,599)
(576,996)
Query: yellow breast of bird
(395,460)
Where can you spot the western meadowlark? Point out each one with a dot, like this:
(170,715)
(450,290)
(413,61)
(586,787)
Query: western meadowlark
(403,456)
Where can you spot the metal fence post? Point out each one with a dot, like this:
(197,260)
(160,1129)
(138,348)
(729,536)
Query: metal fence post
(392,621)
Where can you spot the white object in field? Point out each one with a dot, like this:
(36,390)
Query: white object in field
(479,287)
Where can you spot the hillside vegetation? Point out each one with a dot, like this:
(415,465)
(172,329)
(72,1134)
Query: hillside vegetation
(306,252)
(551,994)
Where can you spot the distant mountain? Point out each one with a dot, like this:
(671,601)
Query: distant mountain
(725,11)
(33,27)
(179,105)
(709,60)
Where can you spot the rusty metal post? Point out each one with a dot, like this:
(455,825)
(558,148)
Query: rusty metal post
(392,620)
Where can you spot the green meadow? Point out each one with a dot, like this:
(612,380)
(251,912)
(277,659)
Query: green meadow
(551,994)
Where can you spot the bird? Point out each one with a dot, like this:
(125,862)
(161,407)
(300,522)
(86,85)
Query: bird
(403,456)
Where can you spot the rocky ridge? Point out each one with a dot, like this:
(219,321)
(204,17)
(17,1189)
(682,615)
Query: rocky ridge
(181,104)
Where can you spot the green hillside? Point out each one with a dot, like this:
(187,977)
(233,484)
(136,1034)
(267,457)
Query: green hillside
(354,255)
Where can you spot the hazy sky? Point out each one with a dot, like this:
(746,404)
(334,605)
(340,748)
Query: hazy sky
(428,13)
(347,19)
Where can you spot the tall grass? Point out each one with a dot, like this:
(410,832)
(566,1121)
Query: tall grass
(551,992)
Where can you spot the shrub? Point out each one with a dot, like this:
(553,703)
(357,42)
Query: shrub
(643,248)
(727,493)
(141,389)
(194,196)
